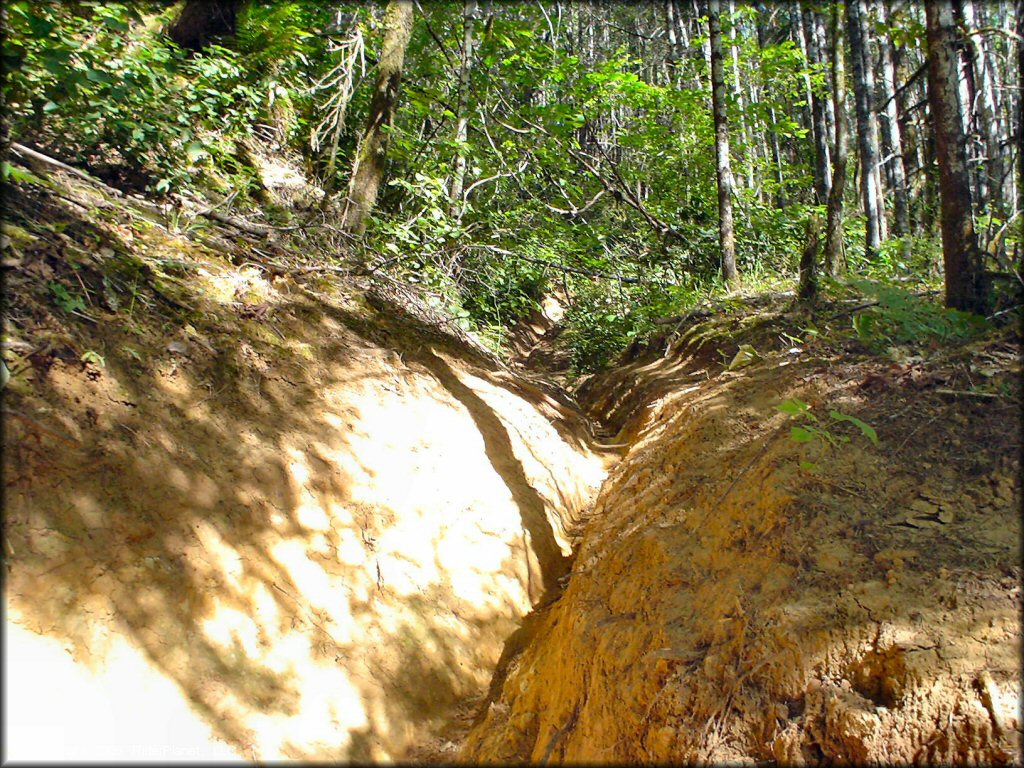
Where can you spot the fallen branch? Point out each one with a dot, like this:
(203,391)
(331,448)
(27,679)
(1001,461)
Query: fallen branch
(963,393)
(560,733)
(31,154)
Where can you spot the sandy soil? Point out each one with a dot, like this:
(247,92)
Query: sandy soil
(728,605)
(265,518)
(261,519)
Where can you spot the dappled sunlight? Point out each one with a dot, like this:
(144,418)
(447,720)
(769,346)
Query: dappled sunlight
(730,605)
(320,560)
(127,711)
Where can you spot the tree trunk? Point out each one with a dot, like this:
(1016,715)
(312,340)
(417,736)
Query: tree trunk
(673,56)
(368,168)
(816,102)
(202,20)
(894,141)
(808,289)
(961,255)
(773,136)
(822,44)
(1020,120)
(989,115)
(867,142)
(462,124)
(835,260)
(746,134)
(726,235)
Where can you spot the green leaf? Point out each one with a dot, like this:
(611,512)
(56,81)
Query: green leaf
(807,466)
(115,23)
(801,435)
(793,407)
(866,429)
(195,151)
(98,76)
(94,357)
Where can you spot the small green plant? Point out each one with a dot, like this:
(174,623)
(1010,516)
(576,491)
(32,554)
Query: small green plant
(63,298)
(96,358)
(814,429)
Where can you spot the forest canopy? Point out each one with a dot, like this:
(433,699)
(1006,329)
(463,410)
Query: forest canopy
(632,158)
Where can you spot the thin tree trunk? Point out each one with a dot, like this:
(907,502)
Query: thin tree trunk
(726,235)
(894,140)
(988,112)
(368,169)
(673,57)
(746,134)
(773,137)
(961,255)
(835,260)
(819,122)
(1020,120)
(462,124)
(821,42)
(866,140)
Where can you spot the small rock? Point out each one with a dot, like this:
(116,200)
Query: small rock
(178,348)
(922,507)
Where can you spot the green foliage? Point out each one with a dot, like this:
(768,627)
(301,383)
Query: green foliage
(91,356)
(63,298)
(128,95)
(814,429)
(604,318)
(902,317)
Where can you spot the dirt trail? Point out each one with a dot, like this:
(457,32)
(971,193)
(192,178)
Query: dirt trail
(285,523)
(247,516)
(731,603)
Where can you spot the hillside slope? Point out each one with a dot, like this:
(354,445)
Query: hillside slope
(732,603)
(268,515)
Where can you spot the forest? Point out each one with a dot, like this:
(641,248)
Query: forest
(637,158)
(406,327)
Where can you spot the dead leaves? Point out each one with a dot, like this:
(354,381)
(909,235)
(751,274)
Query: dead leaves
(915,375)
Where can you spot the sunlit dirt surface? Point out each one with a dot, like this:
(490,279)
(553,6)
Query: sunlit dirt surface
(731,603)
(128,710)
(302,535)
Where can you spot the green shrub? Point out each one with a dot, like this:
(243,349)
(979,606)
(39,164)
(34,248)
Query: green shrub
(903,317)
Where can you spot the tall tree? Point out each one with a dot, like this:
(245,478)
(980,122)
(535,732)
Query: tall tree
(961,255)
(773,135)
(726,235)
(834,259)
(808,39)
(462,120)
(893,138)
(746,133)
(368,167)
(867,140)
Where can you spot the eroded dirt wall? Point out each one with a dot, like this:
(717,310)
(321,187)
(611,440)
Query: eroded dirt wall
(729,604)
(301,531)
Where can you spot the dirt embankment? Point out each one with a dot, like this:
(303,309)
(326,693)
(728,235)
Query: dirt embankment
(730,602)
(251,518)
